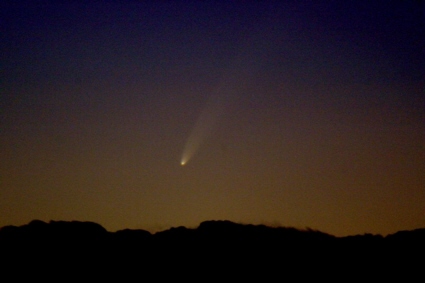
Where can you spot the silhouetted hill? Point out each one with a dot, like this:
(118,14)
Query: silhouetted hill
(214,247)
(208,232)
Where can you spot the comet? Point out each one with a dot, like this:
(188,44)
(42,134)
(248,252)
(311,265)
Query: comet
(204,126)
(232,83)
(213,111)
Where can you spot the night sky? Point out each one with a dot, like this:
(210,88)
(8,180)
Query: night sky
(290,113)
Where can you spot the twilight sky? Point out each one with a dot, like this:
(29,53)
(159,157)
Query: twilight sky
(295,113)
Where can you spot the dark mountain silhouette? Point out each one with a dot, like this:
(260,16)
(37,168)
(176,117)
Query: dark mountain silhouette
(213,248)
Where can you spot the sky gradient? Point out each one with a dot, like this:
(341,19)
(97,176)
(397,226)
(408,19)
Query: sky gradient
(315,113)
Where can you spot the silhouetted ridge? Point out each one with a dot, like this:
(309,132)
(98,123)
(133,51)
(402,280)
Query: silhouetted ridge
(54,230)
(225,229)
(221,238)
(129,234)
(211,229)
(413,236)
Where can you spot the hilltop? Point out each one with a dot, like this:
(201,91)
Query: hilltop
(223,246)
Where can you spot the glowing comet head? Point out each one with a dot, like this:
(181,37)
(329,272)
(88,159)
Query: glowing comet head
(182,163)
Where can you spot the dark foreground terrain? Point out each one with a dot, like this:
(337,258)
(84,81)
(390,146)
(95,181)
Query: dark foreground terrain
(213,250)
